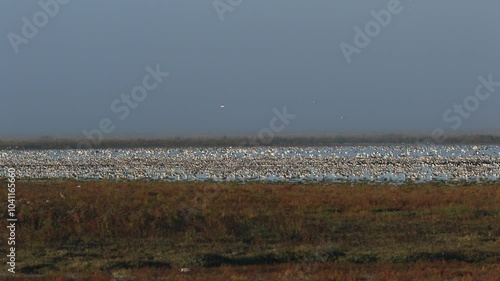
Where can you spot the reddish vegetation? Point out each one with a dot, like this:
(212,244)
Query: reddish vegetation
(231,231)
(314,272)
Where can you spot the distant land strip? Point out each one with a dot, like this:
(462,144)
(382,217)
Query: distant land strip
(248,141)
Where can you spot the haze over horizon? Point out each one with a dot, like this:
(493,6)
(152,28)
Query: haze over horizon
(230,76)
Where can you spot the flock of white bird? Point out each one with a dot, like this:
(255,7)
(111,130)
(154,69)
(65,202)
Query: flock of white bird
(391,163)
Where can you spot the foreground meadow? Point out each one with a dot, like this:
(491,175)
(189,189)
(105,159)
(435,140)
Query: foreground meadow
(231,231)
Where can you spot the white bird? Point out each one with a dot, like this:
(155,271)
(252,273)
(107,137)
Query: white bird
(222,106)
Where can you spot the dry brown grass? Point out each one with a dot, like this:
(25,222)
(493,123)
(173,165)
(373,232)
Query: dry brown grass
(157,227)
(437,271)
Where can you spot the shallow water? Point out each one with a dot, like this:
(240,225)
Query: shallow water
(393,163)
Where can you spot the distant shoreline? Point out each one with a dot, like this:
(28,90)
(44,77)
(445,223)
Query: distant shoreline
(248,141)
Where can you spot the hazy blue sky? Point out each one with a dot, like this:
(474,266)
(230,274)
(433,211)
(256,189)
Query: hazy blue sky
(263,55)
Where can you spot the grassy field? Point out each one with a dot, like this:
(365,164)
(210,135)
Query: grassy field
(232,231)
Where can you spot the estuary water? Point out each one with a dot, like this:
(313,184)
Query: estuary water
(366,163)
